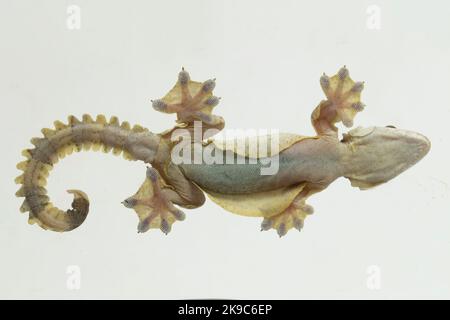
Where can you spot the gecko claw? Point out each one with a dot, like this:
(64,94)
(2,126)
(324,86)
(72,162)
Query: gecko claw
(343,73)
(129,203)
(324,82)
(266,224)
(358,106)
(358,86)
(143,226)
(281,230)
(298,223)
(212,101)
(209,85)
(183,77)
(165,226)
(179,215)
(159,105)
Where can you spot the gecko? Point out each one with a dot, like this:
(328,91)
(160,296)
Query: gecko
(307,165)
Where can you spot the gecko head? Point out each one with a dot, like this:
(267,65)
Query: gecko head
(378,154)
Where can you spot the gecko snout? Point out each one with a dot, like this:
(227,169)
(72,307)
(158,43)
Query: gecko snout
(417,143)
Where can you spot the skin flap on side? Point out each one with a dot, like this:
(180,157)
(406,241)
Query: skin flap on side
(285,140)
(261,204)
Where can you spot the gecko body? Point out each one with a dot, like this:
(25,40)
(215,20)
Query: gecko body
(304,165)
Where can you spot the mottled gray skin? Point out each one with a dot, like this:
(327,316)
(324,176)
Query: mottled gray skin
(302,161)
(372,159)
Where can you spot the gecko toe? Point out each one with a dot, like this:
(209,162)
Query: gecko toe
(325,82)
(212,101)
(298,223)
(358,106)
(282,230)
(358,86)
(165,226)
(209,85)
(183,77)
(179,215)
(129,202)
(144,225)
(266,224)
(159,105)
(343,73)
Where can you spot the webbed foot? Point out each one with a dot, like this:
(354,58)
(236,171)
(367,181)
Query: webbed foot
(152,205)
(191,101)
(292,217)
(342,104)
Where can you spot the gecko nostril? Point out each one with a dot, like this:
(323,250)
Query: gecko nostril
(425,146)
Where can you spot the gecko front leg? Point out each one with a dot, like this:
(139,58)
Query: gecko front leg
(342,104)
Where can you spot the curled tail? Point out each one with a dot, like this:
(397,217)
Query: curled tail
(136,144)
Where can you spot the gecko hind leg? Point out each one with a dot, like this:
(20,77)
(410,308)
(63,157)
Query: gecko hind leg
(342,104)
(153,206)
(292,217)
(191,101)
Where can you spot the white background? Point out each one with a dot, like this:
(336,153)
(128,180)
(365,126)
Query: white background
(267,57)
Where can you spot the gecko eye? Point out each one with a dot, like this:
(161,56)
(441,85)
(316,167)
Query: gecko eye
(391,126)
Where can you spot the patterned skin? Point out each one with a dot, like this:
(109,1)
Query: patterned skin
(307,165)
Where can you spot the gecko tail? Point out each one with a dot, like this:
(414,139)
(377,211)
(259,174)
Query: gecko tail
(52,218)
(37,203)
(57,143)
